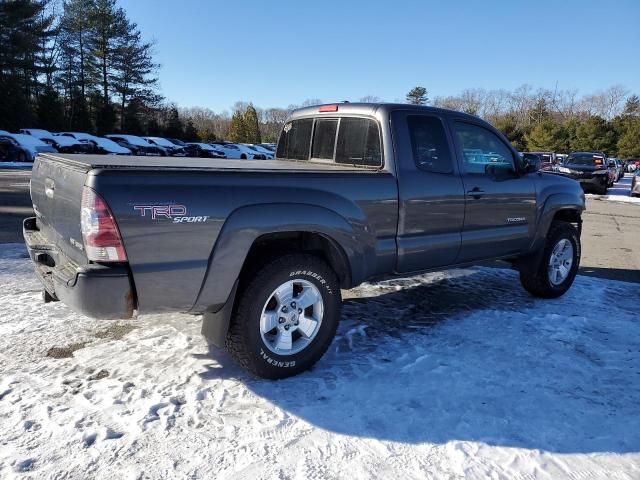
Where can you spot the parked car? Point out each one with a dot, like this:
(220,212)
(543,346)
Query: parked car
(635,184)
(263,249)
(590,169)
(138,145)
(268,154)
(18,147)
(203,150)
(61,143)
(269,146)
(80,136)
(98,145)
(177,142)
(171,148)
(548,160)
(617,165)
(238,151)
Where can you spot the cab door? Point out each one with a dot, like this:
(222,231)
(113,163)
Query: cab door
(500,203)
(431,193)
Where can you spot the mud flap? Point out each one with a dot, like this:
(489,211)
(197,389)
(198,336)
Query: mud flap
(216,324)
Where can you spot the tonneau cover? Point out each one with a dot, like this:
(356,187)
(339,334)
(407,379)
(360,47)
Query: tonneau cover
(90,162)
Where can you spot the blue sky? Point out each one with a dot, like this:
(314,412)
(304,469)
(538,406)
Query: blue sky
(276,53)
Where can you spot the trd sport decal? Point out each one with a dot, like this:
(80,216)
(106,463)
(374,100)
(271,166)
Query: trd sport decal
(177,213)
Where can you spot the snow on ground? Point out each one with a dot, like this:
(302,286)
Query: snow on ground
(446,375)
(618,193)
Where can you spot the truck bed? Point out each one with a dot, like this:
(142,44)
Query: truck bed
(90,162)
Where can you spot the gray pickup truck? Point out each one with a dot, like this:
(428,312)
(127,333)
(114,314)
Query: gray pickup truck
(262,248)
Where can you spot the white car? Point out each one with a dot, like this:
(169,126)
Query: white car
(98,144)
(22,148)
(238,151)
(60,142)
(260,149)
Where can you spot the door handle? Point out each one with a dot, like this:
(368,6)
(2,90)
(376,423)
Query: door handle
(476,193)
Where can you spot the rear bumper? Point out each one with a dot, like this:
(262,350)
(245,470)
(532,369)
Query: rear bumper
(96,291)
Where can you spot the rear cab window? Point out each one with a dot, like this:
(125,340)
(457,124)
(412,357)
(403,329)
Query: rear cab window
(342,140)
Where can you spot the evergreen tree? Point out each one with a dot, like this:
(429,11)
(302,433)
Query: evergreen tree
(632,106)
(417,96)
(547,136)
(237,128)
(629,142)
(509,127)
(24,28)
(252,127)
(134,70)
(594,134)
(49,111)
(190,132)
(174,127)
(108,26)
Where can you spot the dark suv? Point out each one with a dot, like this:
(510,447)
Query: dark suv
(590,169)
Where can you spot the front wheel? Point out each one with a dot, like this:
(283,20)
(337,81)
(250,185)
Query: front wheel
(558,265)
(286,317)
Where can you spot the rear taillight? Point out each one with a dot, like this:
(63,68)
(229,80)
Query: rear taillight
(102,240)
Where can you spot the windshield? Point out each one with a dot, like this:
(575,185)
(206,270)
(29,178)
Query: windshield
(108,144)
(36,132)
(585,159)
(133,140)
(163,142)
(28,140)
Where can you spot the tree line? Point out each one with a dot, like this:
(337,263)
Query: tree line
(83,65)
(77,65)
(553,120)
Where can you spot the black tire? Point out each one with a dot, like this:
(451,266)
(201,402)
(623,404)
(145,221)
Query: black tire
(602,190)
(536,281)
(243,157)
(244,341)
(21,157)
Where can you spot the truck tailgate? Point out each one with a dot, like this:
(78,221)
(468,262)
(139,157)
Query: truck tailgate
(56,193)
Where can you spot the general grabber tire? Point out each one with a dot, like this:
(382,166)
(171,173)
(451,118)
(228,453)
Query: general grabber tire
(559,263)
(286,317)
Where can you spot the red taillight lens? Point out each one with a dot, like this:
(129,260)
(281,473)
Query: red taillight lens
(102,240)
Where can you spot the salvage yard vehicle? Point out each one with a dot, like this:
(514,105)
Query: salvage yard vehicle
(263,249)
(238,151)
(590,170)
(18,147)
(61,143)
(171,148)
(138,145)
(203,150)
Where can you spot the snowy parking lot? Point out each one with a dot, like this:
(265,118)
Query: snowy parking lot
(450,375)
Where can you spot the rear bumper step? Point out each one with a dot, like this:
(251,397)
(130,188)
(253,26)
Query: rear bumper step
(94,290)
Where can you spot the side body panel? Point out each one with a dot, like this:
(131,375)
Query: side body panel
(500,209)
(169,259)
(431,213)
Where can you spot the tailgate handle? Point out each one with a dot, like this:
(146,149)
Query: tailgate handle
(49,187)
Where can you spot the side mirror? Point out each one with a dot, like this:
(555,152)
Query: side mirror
(531,162)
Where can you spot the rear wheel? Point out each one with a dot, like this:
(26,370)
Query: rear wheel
(243,156)
(21,157)
(602,190)
(286,317)
(559,263)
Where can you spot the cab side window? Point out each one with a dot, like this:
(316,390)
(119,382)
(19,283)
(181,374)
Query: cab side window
(481,148)
(429,144)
